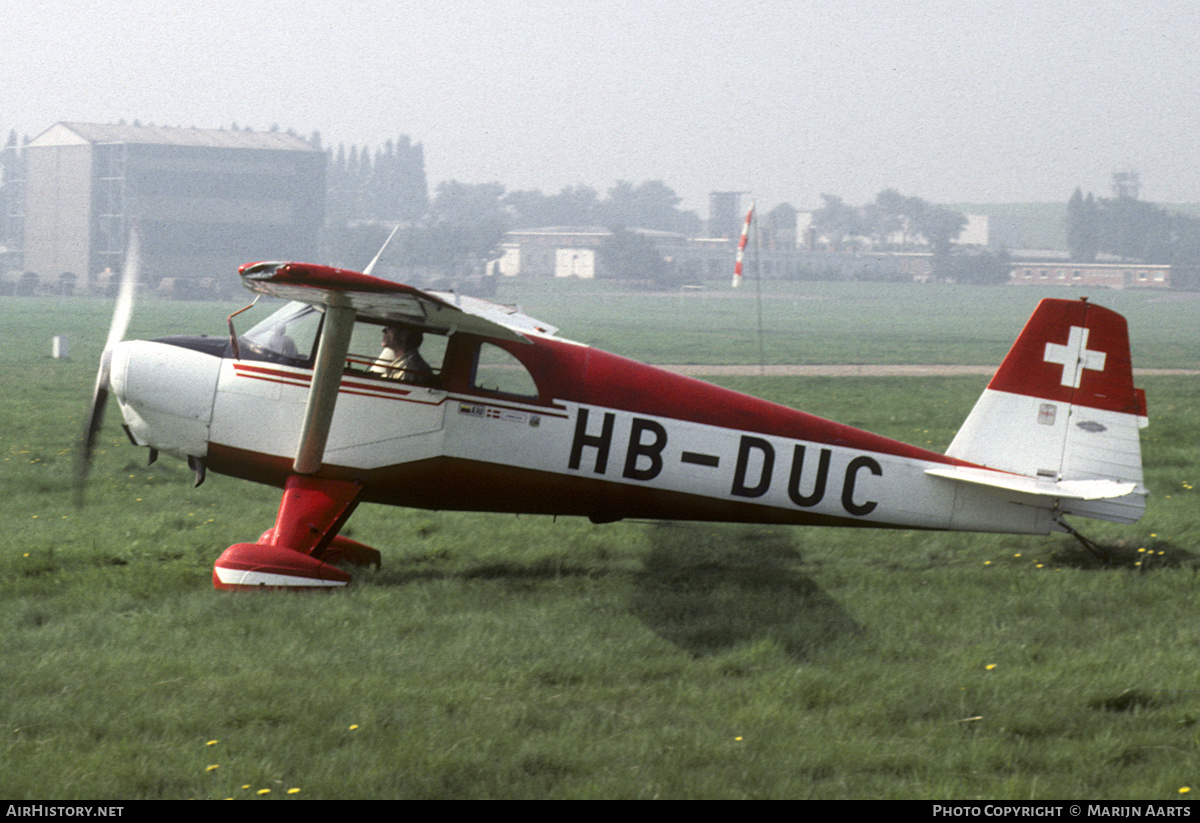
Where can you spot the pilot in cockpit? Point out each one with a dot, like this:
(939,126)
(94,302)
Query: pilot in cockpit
(281,343)
(401,357)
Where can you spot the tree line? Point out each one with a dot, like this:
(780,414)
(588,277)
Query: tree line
(891,222)
(1130,229)
(895,222)
(460,228)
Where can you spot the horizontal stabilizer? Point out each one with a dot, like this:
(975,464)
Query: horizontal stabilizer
(1040,486)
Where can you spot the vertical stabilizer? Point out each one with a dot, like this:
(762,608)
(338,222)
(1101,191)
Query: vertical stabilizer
(1063,407)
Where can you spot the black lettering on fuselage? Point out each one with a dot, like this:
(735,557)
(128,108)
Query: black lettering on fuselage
(747,445)
(860,462)
(753,471)
(751,482)
(818,492)
(638,449)
(599,442)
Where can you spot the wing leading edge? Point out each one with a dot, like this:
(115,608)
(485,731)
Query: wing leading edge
(384,300)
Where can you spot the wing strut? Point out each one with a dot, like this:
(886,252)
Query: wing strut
(322,397)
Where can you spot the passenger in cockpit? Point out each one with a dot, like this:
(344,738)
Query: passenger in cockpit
(401,357)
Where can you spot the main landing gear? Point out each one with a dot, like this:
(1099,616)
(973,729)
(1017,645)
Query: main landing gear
(300,550)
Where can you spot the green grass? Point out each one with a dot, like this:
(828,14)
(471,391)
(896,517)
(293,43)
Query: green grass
(518,657)
(816,322)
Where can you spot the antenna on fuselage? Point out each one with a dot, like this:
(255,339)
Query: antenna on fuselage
(371,266)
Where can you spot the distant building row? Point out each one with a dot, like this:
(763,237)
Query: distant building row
(573,252)
(206,201)
(1103,275)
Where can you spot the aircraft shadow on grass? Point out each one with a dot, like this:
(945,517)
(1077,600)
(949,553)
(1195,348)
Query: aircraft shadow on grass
(703,588)
(707,590)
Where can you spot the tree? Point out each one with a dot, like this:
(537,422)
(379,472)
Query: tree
(465,225)
(1131,229)
(939,226)
(839,223)
(1082,227)
(889,217)
(780,224)
(649,205)
(572,206)
(628,255)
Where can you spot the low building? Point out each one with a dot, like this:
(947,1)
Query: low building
(555,251)
(204,201)
(1103,275)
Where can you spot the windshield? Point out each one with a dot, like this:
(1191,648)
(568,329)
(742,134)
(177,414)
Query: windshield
(288,336)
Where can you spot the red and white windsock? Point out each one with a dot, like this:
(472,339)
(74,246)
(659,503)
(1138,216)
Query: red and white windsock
(737,266)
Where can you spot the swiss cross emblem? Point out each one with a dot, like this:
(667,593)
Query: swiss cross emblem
(1074,357)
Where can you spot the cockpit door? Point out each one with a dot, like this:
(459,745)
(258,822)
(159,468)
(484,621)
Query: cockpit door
(388,414)
(379,420)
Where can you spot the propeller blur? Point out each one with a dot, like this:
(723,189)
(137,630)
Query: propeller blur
(122,312)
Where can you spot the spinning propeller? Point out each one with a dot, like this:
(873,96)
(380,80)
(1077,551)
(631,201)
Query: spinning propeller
(116,332)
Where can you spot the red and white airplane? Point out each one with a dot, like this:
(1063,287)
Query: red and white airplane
(505,416)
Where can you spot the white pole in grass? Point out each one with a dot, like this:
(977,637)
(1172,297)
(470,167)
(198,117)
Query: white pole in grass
(59,347)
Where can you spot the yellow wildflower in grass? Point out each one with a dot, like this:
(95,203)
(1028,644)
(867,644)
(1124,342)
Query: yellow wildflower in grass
(211,743)
(1184,789)
(990,666)
(293,791)
(212,768)
(263,791)
(353,726)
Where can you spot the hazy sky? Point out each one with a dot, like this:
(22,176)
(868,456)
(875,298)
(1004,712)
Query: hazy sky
(948,100)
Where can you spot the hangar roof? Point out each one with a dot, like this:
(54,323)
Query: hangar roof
(67,134)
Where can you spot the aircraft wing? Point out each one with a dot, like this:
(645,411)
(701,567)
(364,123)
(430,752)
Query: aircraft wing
(1043,487)
(384,300)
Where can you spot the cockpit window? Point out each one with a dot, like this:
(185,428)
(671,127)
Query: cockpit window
(288,336)
(498,371)
(397,352)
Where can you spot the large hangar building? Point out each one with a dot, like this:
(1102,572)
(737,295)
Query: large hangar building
(204,201)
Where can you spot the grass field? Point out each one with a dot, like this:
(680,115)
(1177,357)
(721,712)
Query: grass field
(518,657)
(816,322)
